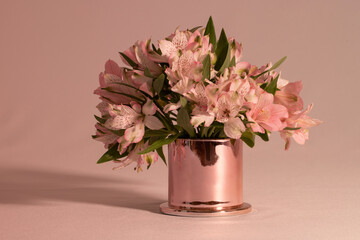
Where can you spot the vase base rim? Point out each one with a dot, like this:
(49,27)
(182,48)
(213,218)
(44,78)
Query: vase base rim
(242,209)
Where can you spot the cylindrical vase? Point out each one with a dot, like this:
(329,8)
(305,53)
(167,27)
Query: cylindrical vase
(205,178)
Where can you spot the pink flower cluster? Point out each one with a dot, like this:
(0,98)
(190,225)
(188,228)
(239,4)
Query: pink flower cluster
(216,93)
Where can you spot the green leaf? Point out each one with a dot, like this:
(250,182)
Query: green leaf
(249,138)
(226,62)
(204,131)
(290,128)
(206,67)
(222,43)
(277,64)
(153,47)
(119,132)
(159,143)
(148,73)
(154,139)
(194,29)
(159,83)
(161,154)
(156,133)
(163,120)
(131,62)
(210,30)
(222,134)
(232,62)
(183,101)
(100,120)
(111,154)
(264,136)
(247,121)
(272,86)
(221,50)
(217,124)
(211,131)
(156,50)
(98,130)
(183,120)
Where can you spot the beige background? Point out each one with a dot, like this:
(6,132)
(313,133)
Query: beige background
(51,53)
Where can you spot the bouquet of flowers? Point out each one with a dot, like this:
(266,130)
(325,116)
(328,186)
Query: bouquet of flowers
(193,86)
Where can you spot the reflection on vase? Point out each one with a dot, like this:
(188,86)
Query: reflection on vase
(205,151)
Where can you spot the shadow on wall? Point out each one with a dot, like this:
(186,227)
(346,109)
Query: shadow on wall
(34,187)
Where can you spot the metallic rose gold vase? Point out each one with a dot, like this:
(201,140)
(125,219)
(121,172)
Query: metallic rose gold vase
(205,178)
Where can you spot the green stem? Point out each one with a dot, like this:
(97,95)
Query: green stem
(171,113)
(128,85)
(164,121)
(124,94)
(166,116)
(210,132)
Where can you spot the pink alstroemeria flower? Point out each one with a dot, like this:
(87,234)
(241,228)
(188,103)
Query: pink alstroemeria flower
(104,108)
(289,96)
(200,116)
(178,42)
(225,108)
(186,65)
(139,54)
(300,120)
(133,156)
(267,115)
(234,128)
(228,106)
(112,80)
(236,49)
(172,106)
(105,136)
(138,78)
(133,119)
(186,52)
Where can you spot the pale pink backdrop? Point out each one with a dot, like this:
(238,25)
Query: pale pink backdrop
(51,53)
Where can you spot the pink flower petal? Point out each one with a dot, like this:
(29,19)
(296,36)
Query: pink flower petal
(150,157)
(180,40)
(113,68)
(234,128)
(301,136)
(104,108)
(123,117)
(153,122)
(141,57)
(200,118)
(265,99)
(136,107)
(135,133)
(167,48)
(172,106)
(149,108)
(123,144)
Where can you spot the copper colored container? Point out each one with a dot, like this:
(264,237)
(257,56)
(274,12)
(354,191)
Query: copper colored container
(205,178)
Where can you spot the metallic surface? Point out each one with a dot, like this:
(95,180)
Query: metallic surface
(205,178)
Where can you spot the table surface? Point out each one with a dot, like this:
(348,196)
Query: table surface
(291,198)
